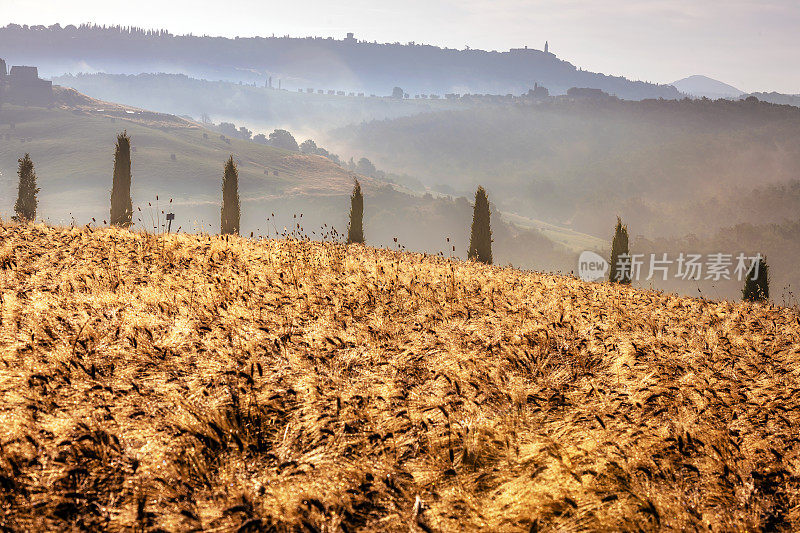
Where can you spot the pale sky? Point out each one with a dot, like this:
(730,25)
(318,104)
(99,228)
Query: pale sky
(754,46)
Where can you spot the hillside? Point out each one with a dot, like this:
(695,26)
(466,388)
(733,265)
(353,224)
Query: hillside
(257,107)
(300,63)
(72,146)
(681,170)
(196,382)
(567,161)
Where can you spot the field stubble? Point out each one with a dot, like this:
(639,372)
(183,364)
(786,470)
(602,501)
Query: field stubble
(199,382)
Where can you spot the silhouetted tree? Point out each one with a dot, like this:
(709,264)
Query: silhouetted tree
(308,147)
(283,139)
(355,231)
(231,209)
(480,241)
(25,207)
(756,285)
(398,92)
(365,167)
(620,272)
(121,205)
(228,129)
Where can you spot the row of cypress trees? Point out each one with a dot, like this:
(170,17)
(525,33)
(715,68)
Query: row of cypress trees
(480,242)
(232,207)
(756,283)
(756,286)
(480,245)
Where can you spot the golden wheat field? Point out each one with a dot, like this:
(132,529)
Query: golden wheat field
(193,382)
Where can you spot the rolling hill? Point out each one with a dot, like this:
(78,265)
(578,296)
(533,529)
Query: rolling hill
(257,107)
(697,173)
(177,167)
(72,147)
(194,382)
(569,161)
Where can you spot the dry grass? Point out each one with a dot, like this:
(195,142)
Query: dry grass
(194,382)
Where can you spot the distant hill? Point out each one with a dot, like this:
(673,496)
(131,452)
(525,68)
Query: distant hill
(669,168)
(317,63)
(700,86)
(580,162)
(778,98)
(257,107)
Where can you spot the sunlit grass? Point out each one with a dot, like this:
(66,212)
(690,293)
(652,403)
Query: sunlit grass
(195,381)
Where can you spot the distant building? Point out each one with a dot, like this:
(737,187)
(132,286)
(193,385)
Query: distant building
(526,50)
(586,92)
(22,86)
(538,91)
(350,37)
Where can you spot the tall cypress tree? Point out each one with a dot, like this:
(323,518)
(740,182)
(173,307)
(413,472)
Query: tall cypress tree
(231,208)
(26,204)
(121,205)
(480,241)
(355,231)
(756,285)
(619,247)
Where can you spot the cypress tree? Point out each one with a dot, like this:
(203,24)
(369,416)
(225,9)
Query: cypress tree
(619,247)
(231,208)
(26,204)
(121,205)
(480,241)
(355,231)
(757,290)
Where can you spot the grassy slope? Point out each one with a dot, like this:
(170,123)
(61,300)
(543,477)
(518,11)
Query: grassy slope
(198,382)
(73,150)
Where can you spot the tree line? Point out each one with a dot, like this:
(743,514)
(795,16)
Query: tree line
(756,286)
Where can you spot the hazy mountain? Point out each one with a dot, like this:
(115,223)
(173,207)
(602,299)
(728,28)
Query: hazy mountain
(308,63)
(700,86)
